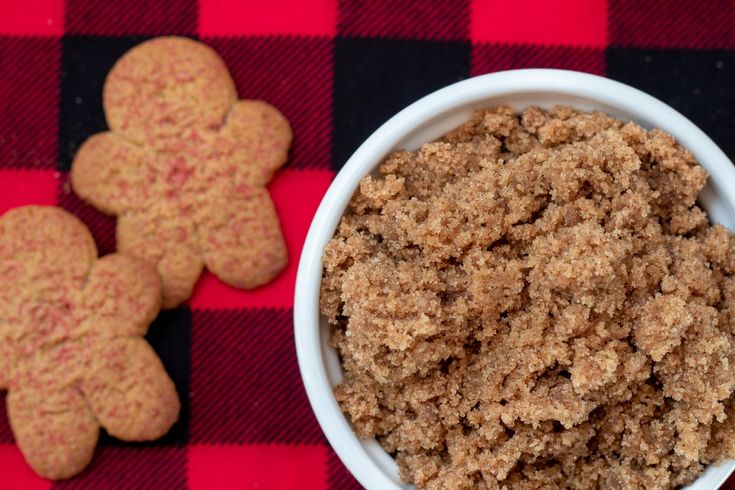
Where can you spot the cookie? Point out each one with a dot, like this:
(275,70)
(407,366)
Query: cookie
(184,167)
(72,353)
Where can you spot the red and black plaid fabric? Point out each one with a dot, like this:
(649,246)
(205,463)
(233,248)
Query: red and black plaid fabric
(337,70)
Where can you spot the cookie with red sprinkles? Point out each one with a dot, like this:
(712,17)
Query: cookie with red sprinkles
(184,167)
(72,353)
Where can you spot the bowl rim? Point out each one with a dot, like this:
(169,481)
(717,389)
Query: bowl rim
(611,93)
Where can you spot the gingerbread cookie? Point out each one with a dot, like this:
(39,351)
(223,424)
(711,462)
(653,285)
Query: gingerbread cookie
(72,353)
(184,167)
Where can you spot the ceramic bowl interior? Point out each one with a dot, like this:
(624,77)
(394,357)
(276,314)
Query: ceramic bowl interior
(425,121)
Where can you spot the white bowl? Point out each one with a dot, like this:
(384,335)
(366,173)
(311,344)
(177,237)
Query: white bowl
(424,121)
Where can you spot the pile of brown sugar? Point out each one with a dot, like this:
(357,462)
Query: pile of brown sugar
(536,300)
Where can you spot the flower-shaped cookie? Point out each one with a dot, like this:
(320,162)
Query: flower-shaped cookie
(184,167)
(72,353)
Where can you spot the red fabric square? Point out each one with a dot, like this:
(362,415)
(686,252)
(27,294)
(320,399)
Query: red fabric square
(487,58)
(138,468)
(296,195)
(275,467)
(29,98)
(295,75)
(16,474)
(21,187)
(422,19)
(292,17)
(672,23)
(32,17)
(566,22)
(245,383)
(147,17)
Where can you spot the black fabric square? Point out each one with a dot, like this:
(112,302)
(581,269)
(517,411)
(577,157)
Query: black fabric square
(699,84)
(170,337)
(376,78)
(489,58)
(85,62)
(6,434)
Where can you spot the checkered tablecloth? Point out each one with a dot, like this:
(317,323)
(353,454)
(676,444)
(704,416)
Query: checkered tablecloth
(337,70)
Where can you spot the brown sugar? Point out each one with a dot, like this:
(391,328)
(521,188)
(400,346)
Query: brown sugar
(537,301)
